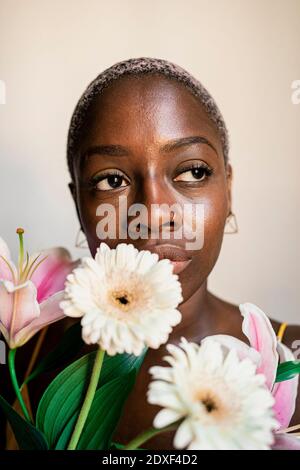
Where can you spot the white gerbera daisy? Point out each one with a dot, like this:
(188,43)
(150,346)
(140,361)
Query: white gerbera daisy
(218,400)
(128,299)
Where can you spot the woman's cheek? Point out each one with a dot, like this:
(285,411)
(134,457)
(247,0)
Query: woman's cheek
(100,219)
(88,210)
(215,217)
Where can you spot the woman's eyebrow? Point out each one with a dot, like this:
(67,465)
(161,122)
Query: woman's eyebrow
(112,150)
(120,151)
(177,143)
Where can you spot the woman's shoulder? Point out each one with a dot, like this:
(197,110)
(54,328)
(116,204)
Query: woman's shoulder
(289,333)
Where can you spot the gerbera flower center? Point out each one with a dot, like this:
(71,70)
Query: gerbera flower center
(211,402)
(123,299)
(127,293)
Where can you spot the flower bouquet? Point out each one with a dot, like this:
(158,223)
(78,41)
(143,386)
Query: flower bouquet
(220,394)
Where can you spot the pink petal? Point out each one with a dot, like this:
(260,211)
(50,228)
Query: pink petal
(243,350)
(18,307)
(258,329)
(5,272)
(6,305)
(50,312)
(286,441)
(6,308)
(26,306)
(51,274)
(285,393)
(4,250)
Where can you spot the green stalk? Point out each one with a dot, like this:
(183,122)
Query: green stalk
(88,400)
(13,376)
(146,435)
(20,232)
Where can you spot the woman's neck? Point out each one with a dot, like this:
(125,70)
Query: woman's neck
(204,314)
(197,316)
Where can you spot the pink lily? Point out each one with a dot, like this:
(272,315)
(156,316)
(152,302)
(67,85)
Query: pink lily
(30,293)
(267,351)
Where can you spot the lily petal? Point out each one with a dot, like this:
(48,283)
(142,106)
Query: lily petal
(50,312)
(5,272)
(242,349)
(51,274)
(4,250)
(258,329)
(18,308)
(285,393)
(286,441)
(6,308)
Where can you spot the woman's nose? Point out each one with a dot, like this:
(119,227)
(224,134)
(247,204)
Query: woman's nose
(158,205)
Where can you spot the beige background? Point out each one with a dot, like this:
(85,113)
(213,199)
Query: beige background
(247,53)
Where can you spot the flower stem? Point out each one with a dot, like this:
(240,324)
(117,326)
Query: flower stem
(20,232)
(146,435)
(88,400)
(13,376)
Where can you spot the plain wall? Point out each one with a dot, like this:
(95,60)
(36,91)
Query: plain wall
(247,53)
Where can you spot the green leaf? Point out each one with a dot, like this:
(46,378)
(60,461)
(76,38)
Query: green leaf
(103,417)
(105,413)
(65,436)
(118,446)
(67,348)
(61,402)
(287,370)
(27,436)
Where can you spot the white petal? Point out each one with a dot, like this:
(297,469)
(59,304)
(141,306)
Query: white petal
(183,435)
(165,417)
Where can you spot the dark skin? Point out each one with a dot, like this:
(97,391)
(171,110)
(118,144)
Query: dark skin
(142,115)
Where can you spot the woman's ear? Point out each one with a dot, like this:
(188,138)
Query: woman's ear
(229,175)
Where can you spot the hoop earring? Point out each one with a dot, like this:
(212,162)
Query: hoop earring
(81,241)
(231,223)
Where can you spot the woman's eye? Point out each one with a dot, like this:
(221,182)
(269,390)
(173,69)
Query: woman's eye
(106,182)
(193,174)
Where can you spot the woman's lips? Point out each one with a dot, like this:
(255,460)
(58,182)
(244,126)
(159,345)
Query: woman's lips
(179,266)
(178,257)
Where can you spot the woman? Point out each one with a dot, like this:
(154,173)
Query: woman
(147,130)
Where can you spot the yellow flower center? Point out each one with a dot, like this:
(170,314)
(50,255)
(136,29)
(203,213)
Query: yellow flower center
(123,299)
(211,402)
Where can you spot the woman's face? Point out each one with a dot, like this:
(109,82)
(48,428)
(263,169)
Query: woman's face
(129,150)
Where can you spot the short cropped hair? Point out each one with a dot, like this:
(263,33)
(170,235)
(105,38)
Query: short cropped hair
(139,67)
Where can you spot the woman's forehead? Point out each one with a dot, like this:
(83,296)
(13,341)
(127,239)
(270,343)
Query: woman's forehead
(146,92)
(146,106)
(144,95)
